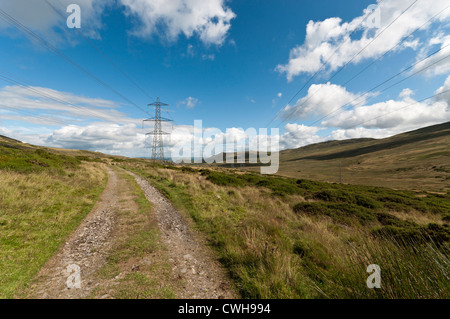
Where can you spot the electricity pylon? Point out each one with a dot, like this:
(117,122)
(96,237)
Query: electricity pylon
(157,146)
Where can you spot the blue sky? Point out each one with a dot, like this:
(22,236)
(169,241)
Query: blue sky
(228,63)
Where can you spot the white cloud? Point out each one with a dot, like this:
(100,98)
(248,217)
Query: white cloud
(392,114)
(280,94)
(443,95)
(190,102)
(391,117)
(361,132)
(105,137)
(299,135)
(406,92)
(50,103)
(323,38)
(376,120)
(438,63)
(320,100)
(209,20)
(396,115)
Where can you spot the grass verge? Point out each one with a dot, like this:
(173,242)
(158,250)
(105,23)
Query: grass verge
(39,207)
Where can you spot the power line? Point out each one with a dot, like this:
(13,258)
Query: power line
(374,38)
(379,58)
(348,62)
(101,53)
(9,19)
(399,43)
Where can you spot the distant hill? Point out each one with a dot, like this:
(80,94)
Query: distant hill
(8,139)
(418,159)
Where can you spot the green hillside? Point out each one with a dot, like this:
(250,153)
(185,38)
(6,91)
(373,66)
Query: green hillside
(417,160)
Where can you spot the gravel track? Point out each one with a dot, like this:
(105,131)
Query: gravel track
(191,259)
(88,246)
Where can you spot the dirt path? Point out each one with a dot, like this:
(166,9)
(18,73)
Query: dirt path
(190,258)
(85,250)
(88,247)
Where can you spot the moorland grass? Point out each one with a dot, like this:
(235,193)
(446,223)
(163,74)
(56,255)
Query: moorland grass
(294,238)
(278,237)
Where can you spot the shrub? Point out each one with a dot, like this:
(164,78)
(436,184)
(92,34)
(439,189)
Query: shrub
(342,211)
(187,169)
(310,208)
(390,220)
(32,160)
(367,202)
(416,234)
(333,195)
(300,248)
(439,234)
(224,179)
(306,184)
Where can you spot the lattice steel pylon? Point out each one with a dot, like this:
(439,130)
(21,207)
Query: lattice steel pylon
(157,146)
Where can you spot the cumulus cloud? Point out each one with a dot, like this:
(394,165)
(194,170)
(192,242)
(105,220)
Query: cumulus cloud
(398,115)
(406,92)
(298,135)
(328,42)
(320,100)
(377,120)
(392,114)
(209,20)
